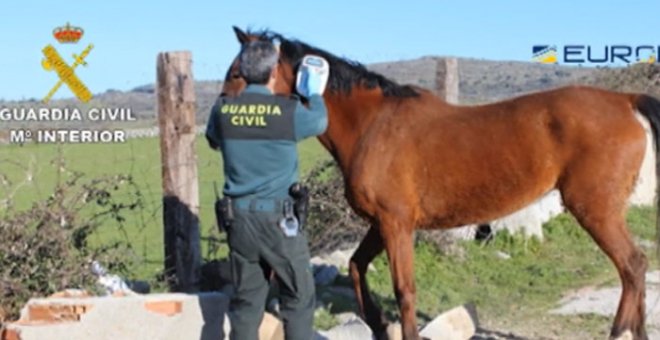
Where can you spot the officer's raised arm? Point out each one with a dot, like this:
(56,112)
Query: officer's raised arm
(311,81)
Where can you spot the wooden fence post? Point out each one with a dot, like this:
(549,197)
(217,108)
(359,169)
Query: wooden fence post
(447,80)
(176,119)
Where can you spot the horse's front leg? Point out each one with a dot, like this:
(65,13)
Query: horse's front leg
(369,248)
(398,240)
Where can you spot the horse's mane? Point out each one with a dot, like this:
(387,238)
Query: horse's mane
(344,73)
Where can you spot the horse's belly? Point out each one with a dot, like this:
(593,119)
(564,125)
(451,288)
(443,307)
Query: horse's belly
(458,203)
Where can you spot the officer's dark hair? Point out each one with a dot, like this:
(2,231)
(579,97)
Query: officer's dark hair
(257,60)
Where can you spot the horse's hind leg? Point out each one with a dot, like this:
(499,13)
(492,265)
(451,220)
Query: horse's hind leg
(597,197)
(369,248)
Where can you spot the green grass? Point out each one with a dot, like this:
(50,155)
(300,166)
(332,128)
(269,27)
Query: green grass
(518,292)
(324,319)
(513,294)
(138,157)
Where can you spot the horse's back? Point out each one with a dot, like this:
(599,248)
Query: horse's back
(465,164)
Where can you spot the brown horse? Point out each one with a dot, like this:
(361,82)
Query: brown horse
(411,160)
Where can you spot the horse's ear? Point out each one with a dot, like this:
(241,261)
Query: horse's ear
(240,35)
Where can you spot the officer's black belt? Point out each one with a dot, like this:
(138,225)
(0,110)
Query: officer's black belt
(274,205)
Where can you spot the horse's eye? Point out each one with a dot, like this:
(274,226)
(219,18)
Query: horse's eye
(235,75)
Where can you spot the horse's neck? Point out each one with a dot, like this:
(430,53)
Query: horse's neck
(350,116)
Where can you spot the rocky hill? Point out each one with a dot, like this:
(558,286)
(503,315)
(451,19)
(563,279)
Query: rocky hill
(480,81)
(487,80)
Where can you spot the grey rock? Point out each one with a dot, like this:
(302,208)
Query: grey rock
(354,329)
(653,278)
(346,317)
(459,323)
(338,258)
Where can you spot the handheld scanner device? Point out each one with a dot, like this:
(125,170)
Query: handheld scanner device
(309,64)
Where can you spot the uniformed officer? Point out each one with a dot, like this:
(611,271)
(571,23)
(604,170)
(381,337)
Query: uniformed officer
(257,134)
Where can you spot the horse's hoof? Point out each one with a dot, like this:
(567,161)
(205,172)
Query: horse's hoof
(627,335)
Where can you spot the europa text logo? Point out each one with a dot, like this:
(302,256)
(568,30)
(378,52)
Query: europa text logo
(595,54)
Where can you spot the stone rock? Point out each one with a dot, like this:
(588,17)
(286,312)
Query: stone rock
(459,323)
(271,328)
(346,317)
(530,220)
(466,232)
(502,255)
(70,293)
(325,274)
(643,243)
(653,278)
(394,331)
(338,258)
(550,205)
(155,316)
(354,329)
(319,336)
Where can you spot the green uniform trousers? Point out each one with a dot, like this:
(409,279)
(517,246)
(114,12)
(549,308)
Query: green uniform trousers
(258,247)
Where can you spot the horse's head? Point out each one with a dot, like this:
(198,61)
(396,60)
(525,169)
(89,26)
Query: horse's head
(345,75)
(285,69)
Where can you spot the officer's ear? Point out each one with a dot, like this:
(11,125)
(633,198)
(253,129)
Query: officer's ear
(272,81)
(275,72)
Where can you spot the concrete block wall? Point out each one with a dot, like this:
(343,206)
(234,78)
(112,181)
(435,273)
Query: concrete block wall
(156,316)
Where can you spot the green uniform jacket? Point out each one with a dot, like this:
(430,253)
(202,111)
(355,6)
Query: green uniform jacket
(257,134)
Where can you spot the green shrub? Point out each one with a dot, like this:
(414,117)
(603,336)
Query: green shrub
(47,248)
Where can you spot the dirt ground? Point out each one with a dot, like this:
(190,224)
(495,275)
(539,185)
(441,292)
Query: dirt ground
(586,313)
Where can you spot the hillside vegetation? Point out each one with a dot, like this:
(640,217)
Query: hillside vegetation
(480,81)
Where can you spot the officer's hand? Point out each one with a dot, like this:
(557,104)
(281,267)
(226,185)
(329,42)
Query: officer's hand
(314,83)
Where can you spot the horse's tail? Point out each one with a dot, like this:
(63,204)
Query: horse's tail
(649,107)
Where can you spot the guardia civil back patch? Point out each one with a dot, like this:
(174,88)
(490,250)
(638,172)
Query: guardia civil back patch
(256,116)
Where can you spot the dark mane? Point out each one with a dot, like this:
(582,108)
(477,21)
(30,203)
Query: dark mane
(344,73)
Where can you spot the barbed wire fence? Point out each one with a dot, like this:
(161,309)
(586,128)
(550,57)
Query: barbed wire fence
(30,173)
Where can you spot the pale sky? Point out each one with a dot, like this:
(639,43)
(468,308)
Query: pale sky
(127,35)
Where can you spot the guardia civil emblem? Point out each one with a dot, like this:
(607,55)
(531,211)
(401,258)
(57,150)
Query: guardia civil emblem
(53,61)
